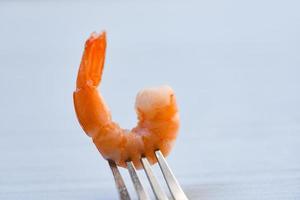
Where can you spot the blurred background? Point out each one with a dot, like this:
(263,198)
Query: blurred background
(234,65)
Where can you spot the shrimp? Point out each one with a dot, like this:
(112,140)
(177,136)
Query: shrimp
(156,108)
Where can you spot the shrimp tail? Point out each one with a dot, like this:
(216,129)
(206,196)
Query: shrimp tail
(92,62)
(90,107)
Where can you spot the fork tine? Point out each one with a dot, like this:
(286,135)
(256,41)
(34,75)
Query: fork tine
(172,183)
(142,195)
(123,193)
(160,195)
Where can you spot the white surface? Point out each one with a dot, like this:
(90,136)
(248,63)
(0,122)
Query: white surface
(234,66)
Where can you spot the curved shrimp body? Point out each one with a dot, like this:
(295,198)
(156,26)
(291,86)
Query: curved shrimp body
(158,120)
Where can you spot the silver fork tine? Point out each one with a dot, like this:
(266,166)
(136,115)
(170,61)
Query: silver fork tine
(142,195)
(123,193)
(160,195)
(172,183)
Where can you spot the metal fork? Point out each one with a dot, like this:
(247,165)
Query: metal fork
(175,189)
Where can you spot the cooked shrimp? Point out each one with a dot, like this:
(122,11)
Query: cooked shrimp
(158,120)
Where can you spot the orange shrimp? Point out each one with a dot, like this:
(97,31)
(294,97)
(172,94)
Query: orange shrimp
(158,119)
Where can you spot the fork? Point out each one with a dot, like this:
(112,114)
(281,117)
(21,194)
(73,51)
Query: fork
(173,185)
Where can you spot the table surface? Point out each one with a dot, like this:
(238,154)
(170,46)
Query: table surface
(234,66)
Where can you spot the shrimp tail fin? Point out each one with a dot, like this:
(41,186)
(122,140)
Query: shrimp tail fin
(91,66)
(90,107)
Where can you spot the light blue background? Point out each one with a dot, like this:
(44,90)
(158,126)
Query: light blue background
(234,65)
